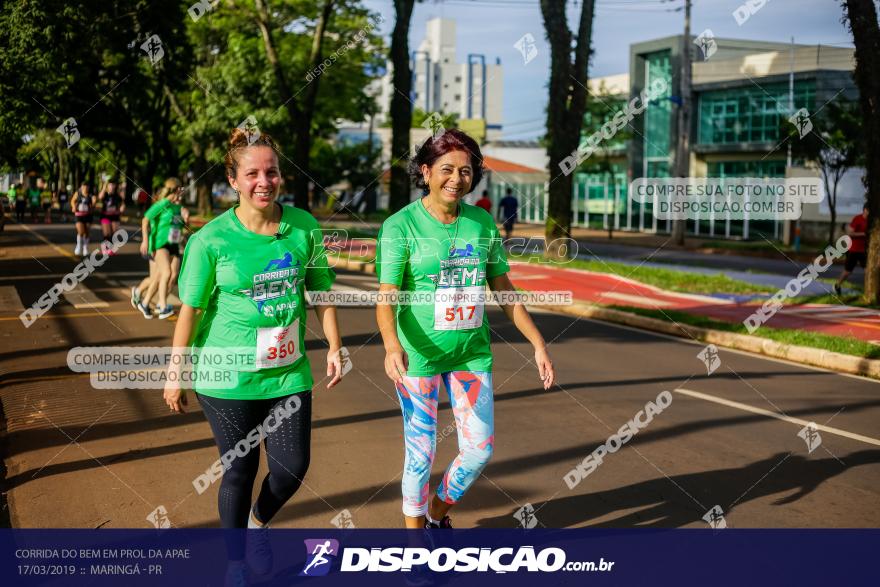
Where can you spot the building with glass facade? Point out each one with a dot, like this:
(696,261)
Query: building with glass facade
(740,95)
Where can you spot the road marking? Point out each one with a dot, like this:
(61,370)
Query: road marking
(58,276)
(77,315)
(641,300)
(81,297)
(58,249)
(9,300)
(769,414)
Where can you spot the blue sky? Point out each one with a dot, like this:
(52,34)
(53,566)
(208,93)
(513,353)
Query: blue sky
(492,27)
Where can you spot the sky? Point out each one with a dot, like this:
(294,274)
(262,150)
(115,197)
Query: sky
(492,27)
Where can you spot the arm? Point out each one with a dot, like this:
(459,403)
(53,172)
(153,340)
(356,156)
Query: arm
(145,238)
(520,317)
(396,361)
(327,316)
(184,333)
(851,232)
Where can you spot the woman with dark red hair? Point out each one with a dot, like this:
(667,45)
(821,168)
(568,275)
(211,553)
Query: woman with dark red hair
(440,245)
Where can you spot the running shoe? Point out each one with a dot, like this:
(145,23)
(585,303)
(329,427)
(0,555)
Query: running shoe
(135,297)
(77,250)
(85,251)
(236,574)
(258,552)
(837,289)
(166,312)
(145,310)
(419,576)
(443,523)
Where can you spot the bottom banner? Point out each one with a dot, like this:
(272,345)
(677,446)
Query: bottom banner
(438,557)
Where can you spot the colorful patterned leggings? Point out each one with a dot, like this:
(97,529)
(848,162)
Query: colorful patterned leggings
(470,394)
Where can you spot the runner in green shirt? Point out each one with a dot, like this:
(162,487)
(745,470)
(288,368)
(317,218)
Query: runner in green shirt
(242,285)
(442,246)
(162,234)
(33,195)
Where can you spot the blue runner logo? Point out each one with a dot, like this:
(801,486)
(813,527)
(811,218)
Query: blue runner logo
(320,554)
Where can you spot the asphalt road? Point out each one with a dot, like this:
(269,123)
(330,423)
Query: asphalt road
(77,456)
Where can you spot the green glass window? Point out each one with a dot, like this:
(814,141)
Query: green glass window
(749,114)
(658,114)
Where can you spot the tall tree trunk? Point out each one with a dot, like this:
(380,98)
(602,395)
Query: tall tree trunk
(565,112)
(300,114)
(683,120)
(862,17)
(303,123)
(401,106)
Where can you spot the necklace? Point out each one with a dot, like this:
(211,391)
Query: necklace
(455,235)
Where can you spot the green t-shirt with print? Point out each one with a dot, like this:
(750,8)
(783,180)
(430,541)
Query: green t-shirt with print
(251,288)
(166,224)
(418,253)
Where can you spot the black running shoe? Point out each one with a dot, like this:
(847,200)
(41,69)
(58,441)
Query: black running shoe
(444,523)
(837,289)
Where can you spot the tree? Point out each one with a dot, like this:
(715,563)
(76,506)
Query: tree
(565,110)
(861,16)
(401,105)
(267,71)
(834,146)
(599,111)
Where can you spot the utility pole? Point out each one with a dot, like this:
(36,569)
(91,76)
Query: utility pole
(683,122)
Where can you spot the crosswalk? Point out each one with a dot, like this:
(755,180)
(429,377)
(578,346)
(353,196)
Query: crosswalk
(10,300)
(80,297)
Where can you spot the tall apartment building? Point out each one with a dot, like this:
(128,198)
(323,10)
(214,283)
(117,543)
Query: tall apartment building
(473,90)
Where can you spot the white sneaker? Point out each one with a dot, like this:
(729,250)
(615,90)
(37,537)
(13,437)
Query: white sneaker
(166,312)
(145,310)
(77,250)
(135,297)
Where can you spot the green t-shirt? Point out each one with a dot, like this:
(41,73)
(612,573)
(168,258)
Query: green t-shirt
(251,288)
(416,253)
(166,224)
(34,196)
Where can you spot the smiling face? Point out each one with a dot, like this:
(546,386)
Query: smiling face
(450,177)
(257,178)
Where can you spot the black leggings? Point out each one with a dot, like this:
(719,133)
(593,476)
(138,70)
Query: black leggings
(287,450)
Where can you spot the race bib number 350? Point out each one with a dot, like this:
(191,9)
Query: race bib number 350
(278,346)
(458,308)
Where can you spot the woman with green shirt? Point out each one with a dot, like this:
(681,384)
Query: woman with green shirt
(440,245)
(162,230)
(242,287)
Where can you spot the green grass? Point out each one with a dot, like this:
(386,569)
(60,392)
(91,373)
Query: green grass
(680,281)
(839,344)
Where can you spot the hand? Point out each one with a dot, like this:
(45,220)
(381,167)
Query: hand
(396,365)
(144,249)
(336,364)
(175,397)
(545,366)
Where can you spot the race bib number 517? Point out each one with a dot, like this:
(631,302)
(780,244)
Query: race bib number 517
(458,308)
(278,346)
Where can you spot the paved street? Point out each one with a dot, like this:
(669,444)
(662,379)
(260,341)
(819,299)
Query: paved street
(80,457)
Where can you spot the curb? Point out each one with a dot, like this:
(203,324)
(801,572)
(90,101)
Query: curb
(755,344)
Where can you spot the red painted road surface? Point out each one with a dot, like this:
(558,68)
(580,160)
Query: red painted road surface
(603,288)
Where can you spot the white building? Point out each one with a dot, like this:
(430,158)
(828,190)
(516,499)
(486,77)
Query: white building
(473,90)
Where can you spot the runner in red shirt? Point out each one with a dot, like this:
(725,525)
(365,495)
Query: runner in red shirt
(484,202)
(857,253)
